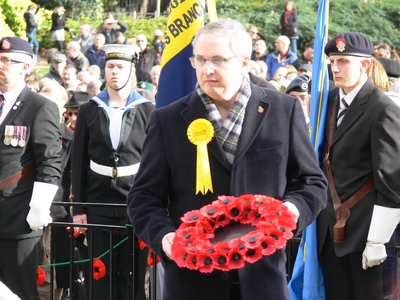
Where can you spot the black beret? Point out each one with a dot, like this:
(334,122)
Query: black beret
(391,66)
(59,3)
(15,44)
(78,98)
(300,83)
(350,43)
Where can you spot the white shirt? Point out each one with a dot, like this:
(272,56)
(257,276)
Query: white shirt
(9,100)
(115,114)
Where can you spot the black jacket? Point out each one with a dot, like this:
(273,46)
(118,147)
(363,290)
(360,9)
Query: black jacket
(30,21)
(291,28)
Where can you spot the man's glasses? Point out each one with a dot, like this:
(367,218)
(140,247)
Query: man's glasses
(217,62)
(7,61)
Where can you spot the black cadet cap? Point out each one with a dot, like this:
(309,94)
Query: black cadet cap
(78,98)
(350,43)
(391,66)
(300,83)
(15,44)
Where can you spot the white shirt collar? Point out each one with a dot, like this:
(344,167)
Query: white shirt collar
(350,96)
(12,95)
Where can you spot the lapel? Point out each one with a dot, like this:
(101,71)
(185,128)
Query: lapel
(354,112)
(13,112)
(195,109)
(256,113)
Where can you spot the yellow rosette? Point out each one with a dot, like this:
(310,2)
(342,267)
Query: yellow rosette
(200,132)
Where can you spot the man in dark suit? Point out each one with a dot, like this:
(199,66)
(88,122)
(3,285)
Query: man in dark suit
(362,143)
(29,168)
(261,146)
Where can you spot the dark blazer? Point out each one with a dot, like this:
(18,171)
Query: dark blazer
(42,148)
(367,143)
(58,22)
(274,157)
(92,142)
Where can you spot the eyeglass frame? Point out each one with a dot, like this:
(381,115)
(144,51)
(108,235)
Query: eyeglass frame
(193,58)
(9,61)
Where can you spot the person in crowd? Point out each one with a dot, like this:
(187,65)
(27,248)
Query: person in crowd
(131,42)
(31,28)
(362,140)
(69,76)
(57,33)
(264,69)
(94,87)
(164,190)
(255,34)
(155,78)
(84,77)
(306,57)
(147,59)
(50,53)
(111,28)
(32,82)
(300,88)
(120,38)
(292,73)
(72,106)
(376,44)
(279,79)
(260,51)
(58,64)
(385,51)
(77,58)
(95,53)
(290,25)
(281,57)
(29,168)
(85,37)
(391,67)
(306,69)
(94,71)
(81,87)
(158,42)
(109,135)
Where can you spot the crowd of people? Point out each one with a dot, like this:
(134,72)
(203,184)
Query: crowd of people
(102,90)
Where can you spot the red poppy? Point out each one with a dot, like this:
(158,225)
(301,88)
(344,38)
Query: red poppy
(267,245)
(189,234)
(235,210)
(222,220)
(205,262)
(99,269)
(221,260)
(211,211)
(236,260)
(277,234)
(179,254)
(237,243)
(76,231)
(224,200)
(142,244)
(40,277)
(150,260)
(191,261)
(252,239)
(191,216)
(252,255)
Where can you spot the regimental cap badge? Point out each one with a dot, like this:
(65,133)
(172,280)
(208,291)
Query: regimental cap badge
(6,45)
(304,86)
(340,44)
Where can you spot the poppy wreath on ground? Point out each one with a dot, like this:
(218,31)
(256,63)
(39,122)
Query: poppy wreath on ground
(231,231)
(40,277)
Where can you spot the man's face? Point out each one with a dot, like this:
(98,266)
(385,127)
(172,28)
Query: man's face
(141,42)
(11,73)
(260,47)
(84,31)
(302,96)
(68,75)
(99,41)
(155,76)
(309,54)
(280,74)
(84,78)
(120,40)
(72,115)
(347,71)
(221,84)
(382,53)
(59,66)
(71,52)
(117,72)
(280,46)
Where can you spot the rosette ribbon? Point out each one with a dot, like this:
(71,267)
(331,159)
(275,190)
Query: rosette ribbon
(200,132)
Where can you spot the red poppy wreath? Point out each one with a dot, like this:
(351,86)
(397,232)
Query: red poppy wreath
(231,231)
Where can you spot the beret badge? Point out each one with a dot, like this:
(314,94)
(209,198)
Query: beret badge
(6,45)
(304,86)
(340,44)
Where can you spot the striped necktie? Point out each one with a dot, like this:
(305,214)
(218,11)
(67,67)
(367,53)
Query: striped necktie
(1,103)
(342,111)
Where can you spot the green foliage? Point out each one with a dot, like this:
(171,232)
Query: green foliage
(13,11)
(144,26)
(378,20)
(4,28)
(76,9)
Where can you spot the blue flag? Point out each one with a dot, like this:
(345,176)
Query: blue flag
(177,77)
(307,281)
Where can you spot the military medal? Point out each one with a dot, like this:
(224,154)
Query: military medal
(14,141)
(21,141)
(7,135)
(200,132)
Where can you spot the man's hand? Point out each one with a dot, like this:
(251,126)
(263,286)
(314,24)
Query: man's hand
(374,254)
(81,219)
(293,209)
(167,243)
(38,219)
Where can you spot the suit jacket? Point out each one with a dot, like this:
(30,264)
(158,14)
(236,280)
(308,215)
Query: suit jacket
(274,157)
(92,142)
(367,143)
(42,148)
(30,21)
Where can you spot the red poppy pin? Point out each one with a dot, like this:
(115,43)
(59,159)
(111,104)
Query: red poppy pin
(99,269)
(41,275)
(340,44)
(6,45)
(260,109)
(147,59)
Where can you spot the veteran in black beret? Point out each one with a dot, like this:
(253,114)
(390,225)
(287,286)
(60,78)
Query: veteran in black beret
(362,145)
(300,88)
(30,162)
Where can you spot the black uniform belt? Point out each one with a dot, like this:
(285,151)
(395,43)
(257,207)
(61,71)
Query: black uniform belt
(5,183)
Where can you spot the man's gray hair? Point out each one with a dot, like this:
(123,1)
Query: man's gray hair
(74,45)
(284,39)
(94,85)
(240,41)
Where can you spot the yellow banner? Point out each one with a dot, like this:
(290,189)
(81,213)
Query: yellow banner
(212,10)
(185,19)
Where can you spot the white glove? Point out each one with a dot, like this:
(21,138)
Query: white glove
(383,222)
(292,208)
(42,197)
